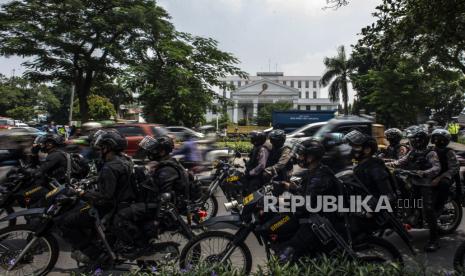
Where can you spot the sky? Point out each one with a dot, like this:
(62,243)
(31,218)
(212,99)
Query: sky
(290,36)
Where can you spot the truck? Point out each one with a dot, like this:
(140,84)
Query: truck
(293,119)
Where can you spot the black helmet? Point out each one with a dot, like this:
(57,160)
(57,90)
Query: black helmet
(440,137)
(110,139)
(331,140)
(153,145)
(393,135)
(418,137)
(53,138)
(277,137)
(311,147)
(357,138)
(257,138)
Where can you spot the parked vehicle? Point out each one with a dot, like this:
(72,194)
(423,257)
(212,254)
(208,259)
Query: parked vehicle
(305,132)
(346,124)
(294,119)
(183,133)
(134,133)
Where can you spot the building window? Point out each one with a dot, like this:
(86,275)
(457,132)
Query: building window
(307,107)
(284,82)
(314,84)
(307,95)
(231,83)
(238,83)
(314,94)
(246,82)
(318,107)
(224,93)
(299,84)
(307,84)
(292,83)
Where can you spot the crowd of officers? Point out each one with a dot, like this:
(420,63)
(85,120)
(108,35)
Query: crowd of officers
(271,157)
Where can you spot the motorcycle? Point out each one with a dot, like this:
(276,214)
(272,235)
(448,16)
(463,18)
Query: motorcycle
(33,249)
(412,216)
(271,229)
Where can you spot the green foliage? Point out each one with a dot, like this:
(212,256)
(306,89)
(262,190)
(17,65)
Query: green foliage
(240,146)
(264,115)
(176,83)
(100,108)
(23,99)
(77,41)
(23,113)
(409,63)
(337,76)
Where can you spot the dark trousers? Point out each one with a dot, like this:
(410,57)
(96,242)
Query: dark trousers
(441,193)
(454,137)
(429,212)
(78,227)
(127,223)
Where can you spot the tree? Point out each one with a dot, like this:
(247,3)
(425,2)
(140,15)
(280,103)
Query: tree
(264,115)
(76,41)
(337,76)
(176,83)
(22,99)
(100,108)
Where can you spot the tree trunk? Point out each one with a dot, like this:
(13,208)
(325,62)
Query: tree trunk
(83,92)
(345,96)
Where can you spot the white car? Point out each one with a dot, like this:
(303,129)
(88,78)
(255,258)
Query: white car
(304,132)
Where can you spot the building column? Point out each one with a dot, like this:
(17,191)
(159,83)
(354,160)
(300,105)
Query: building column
(255,108)
(295,106)
(235,112)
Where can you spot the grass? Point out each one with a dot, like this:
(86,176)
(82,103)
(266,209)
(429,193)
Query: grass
(461,140)
(241,146)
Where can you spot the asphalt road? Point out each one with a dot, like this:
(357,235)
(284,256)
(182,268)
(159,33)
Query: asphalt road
(437,261)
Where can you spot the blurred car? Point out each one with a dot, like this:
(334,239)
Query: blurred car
(305,132)
(6,123)
(134,133)
(183,133)
(28,129)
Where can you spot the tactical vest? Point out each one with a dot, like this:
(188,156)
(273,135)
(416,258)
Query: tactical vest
(274,157)
(442,155)
(417,160)
(253,157)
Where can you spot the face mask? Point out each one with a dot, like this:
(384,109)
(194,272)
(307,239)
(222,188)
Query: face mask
(356,153)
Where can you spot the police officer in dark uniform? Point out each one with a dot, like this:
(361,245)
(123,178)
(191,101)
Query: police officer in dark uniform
(370,170)
(450,167)
(258,158)
(114,191)
(55,164)
(395,150)
(168,176)
(424,162)
(318,180)
(337,153)
(280,159)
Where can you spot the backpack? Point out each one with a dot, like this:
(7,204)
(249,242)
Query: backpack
(77,166)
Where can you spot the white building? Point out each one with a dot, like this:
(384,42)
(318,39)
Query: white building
(253,93)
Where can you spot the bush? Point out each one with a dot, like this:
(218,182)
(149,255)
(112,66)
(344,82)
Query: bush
(324,266)
(240,146)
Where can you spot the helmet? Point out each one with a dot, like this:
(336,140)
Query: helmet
(355,137)
(111,139)
(393,135)
(277,137)
(153,145)
(90,126)
(440,137)
(332,139)
(418,137)
(311,147)
(53,138)
(257,138)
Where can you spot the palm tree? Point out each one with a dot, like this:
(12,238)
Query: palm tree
(337,77)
